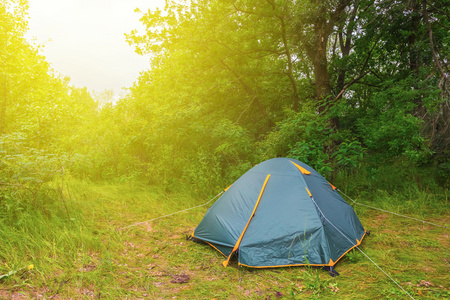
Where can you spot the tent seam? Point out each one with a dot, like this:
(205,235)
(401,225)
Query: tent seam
(317,212)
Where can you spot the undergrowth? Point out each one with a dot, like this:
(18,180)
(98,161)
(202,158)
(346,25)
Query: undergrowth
(80,247)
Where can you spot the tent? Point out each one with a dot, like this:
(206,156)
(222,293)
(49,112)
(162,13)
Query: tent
(281,213)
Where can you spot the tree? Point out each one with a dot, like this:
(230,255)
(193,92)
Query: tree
(13,49)
(391,73)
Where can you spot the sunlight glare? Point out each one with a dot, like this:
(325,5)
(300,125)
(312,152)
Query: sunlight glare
(84,39)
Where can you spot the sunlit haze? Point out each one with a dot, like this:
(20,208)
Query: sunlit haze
(84,39)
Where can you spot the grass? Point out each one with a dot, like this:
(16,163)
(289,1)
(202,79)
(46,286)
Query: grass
(81,253)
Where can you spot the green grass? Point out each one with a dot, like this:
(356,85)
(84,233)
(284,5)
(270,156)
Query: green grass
(81,253)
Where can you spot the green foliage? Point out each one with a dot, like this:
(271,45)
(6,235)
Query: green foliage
(228,74)
(27,170)
(390,128)
(354,256)
(204,173)
(349,155)
(215,101)
(309,138)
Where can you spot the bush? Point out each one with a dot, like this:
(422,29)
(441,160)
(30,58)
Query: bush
(25,170)
(310,138)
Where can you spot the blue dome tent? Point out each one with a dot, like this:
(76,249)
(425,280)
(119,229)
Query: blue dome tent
(281,213)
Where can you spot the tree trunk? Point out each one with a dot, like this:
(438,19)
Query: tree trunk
(323,88)
(414,57)
(345,44)
(323,26)
(320,63)
(289,71)
(4,104)
(438,64)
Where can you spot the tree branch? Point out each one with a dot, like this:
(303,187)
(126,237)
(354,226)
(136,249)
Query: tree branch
(362,73)
(433,52)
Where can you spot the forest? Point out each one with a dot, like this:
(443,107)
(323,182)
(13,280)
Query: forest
(357,89)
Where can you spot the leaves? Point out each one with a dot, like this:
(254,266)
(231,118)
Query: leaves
(233,83)
(180,278)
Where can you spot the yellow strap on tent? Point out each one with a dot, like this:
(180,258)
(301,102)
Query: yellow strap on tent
(358,242)
(309,193)
(227,188)
(332,186)
(236,246)
(303,170)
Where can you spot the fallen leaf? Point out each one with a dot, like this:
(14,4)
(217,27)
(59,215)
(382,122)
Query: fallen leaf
(181,278)
(424,283)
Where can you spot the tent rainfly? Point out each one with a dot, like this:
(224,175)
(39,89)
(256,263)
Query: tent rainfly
(281,213)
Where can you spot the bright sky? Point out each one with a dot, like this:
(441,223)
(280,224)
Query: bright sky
(84,39)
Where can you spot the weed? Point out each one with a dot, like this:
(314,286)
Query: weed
(354,256)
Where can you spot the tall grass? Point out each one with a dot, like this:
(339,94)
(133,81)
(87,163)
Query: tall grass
(50,233)
(79,250)
(411,191)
